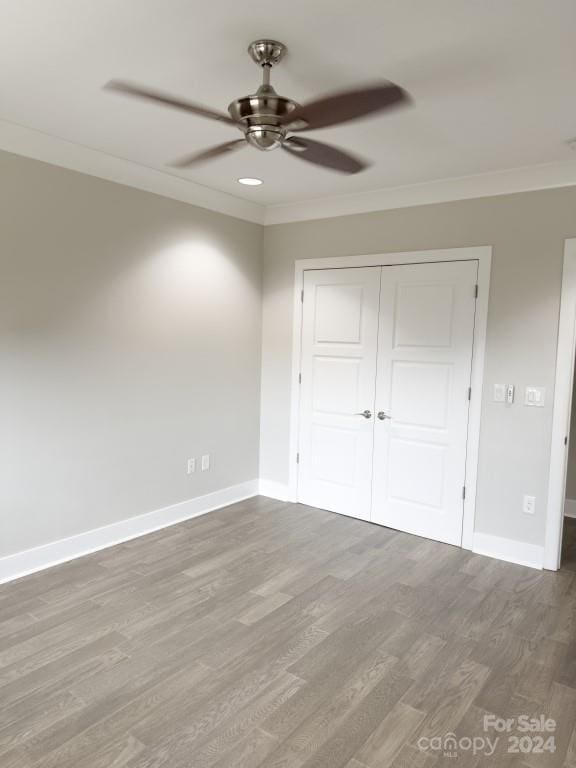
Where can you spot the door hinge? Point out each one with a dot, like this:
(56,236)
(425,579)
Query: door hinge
(299,378)
(297,458)
(476,291)
(463,491)
(469,393)
(302,295)
(566,440)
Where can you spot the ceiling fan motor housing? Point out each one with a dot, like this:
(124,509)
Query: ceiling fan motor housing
(259,116)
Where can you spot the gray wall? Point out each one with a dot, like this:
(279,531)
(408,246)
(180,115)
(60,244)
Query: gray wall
(527,232)
(129,341)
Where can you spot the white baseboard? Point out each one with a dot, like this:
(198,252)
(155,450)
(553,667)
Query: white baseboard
(57,552)
(273,490)
(531,555)
(570,508)
(37,559)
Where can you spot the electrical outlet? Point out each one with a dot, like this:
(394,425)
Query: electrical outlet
(205,462)
(191,466)
(529,505)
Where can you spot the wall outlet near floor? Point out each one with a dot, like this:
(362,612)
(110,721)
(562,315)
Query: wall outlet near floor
(529,505)
(205,462)
(191,466)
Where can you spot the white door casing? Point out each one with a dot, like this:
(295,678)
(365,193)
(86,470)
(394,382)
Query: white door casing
(481,254)
(338,371)
(425,345)
(562,411)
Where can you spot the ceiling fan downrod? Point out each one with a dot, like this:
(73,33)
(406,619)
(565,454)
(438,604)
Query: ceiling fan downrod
(260,115)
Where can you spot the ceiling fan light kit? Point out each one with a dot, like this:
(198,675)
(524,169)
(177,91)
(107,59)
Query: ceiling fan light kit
(266,119)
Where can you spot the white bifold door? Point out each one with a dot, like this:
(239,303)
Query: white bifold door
(385,376)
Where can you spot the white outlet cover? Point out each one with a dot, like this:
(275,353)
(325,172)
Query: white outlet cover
(529,505)
(191,466)
(205,462)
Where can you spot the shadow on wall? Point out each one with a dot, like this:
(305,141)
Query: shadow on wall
(130,333)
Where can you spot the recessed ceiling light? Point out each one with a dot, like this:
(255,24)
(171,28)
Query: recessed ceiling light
(249,182)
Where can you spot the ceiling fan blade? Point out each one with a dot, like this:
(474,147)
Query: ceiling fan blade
(208,154)
(324,154)
(347,105)
(171,101)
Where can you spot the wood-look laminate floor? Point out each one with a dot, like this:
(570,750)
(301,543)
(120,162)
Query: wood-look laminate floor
(281,636)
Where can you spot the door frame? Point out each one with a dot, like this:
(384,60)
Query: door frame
(482,254)
(562,409)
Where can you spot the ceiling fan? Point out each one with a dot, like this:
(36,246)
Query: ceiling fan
(266,119)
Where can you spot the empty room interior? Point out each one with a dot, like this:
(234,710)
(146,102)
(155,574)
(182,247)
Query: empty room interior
(287,352)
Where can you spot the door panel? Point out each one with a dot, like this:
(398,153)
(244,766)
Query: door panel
(426,327)
(339,346)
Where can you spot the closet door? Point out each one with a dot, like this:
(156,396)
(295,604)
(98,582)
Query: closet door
(426,331)
(338,369)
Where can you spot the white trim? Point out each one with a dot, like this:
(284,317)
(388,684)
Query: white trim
(273,490)
(570,508)
(562,410)
(50,149)
(506,182)
(30,142)
(530,555)
(483,254)
(37,559)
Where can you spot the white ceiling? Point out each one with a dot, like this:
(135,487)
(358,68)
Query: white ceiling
(493,83)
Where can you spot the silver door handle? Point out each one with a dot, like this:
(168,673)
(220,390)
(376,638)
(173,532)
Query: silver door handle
(367,414)
(382,416)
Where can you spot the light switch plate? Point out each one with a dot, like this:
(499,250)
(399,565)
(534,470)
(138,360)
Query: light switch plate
(535,397)
(205,462)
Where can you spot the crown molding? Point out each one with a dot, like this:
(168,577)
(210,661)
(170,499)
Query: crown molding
(29,142)
(526,179)
(38,145)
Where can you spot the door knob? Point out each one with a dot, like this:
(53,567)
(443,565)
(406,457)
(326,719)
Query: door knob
(367,414)
(382,416)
